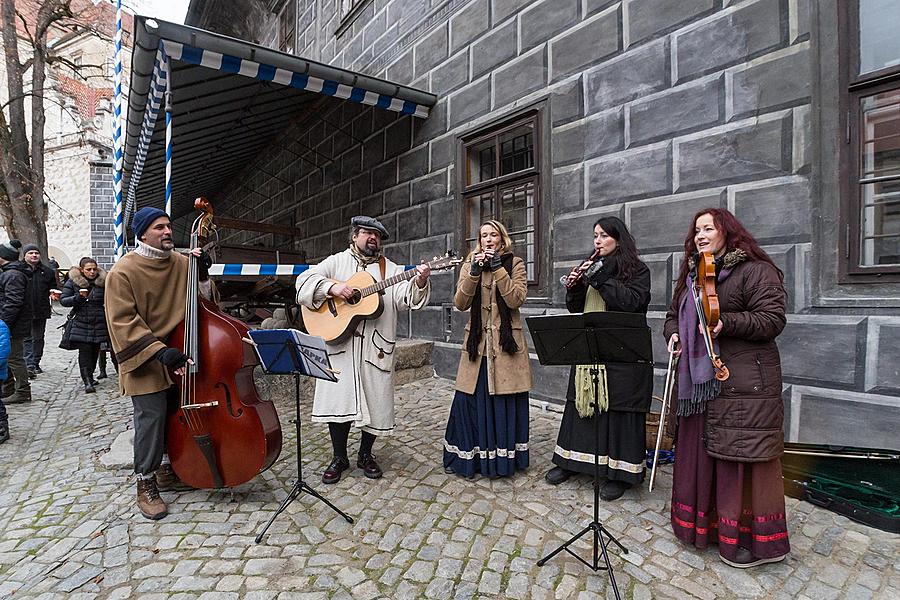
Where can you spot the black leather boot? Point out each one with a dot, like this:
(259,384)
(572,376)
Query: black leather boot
(101,362)
(88,384)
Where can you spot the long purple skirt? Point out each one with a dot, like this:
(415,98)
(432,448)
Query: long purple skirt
(487,434)
(732,504)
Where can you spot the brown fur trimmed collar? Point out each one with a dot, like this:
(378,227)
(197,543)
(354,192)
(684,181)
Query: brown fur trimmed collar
(81,281)
(728,261)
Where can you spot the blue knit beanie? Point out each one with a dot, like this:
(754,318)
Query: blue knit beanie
(143,218)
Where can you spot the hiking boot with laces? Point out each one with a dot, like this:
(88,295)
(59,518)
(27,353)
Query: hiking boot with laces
(148,500)
(167,479)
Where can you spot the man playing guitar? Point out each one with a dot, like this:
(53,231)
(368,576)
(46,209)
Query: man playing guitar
(364,394)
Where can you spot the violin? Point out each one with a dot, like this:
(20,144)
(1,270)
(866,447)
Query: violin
(222,433)
(706,300)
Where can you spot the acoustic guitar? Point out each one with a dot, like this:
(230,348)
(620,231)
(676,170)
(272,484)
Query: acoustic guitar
(337,318)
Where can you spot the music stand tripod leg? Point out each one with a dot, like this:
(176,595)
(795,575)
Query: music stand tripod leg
(595,527)
(300,486)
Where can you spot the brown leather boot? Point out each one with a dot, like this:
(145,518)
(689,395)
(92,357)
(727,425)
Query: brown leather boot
(148,500)
(167,479)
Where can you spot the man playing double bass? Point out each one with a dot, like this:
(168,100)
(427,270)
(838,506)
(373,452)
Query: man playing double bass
(144,304)
(364,394)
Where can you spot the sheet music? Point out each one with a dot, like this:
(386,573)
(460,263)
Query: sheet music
(287,351)
(314,355)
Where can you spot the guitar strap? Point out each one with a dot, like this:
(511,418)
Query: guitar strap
(382,264)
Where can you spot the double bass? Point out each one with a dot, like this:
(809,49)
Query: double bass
(222,434)
(706,301)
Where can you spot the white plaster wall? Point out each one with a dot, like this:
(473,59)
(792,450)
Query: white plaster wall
(67,175)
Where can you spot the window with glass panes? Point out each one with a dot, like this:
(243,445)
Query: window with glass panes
(287,25)
(501,181)
(871,215)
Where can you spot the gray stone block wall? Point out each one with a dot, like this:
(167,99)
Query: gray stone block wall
(102,215)
(656,109)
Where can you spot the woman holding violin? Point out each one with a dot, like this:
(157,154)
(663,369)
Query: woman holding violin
(613,278)
(727,310)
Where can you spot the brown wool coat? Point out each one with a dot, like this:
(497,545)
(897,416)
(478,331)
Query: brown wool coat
(745,422)
(144,304)
(506,373)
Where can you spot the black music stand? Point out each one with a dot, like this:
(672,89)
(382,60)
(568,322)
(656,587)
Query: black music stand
(592,339)
(291,352)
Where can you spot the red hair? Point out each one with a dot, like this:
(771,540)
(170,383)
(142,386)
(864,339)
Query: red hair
(736,238)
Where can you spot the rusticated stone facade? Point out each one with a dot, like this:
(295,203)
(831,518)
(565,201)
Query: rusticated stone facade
(650,110)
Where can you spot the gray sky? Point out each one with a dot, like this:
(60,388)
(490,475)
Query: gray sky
(167,10)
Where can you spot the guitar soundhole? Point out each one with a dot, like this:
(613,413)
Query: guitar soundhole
(356,297)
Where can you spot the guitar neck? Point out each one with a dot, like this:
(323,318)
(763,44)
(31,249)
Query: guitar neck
(382,285)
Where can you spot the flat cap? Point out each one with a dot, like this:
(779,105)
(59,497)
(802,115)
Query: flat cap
(370,223)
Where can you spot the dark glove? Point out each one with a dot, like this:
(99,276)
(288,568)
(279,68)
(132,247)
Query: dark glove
(476,269)
(603,274)
(172,358)
(205,262)
(495,262)
(78,299)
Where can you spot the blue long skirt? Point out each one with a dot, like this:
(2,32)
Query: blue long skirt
(487,434)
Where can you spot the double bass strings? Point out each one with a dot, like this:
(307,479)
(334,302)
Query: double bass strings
(188,379)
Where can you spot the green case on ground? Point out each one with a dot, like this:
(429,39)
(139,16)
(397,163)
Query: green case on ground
(862,484)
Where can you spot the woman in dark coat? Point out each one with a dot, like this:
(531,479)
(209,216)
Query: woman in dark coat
(727,485)
(619,282)
(84,293)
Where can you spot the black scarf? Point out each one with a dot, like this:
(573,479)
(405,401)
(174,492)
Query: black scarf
(507,341)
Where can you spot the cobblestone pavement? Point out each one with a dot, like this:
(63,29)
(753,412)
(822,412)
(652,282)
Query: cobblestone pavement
(69,529)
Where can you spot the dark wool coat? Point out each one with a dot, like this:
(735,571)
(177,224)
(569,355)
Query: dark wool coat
(745,422)
(15,298)
(43,279)
(90,319)
(630,387)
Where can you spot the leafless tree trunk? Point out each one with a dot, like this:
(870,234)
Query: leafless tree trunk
(22,162)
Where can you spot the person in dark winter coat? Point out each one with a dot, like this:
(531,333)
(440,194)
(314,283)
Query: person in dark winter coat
(727,487)
(84,293)
(16,312)
(617,281)
(43,279)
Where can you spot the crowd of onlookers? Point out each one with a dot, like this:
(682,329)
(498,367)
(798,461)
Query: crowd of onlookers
(28,287)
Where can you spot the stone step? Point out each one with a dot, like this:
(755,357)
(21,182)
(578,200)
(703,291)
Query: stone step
(412,354)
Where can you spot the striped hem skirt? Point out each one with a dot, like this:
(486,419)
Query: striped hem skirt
(487,434)
(732,504)
(622,447)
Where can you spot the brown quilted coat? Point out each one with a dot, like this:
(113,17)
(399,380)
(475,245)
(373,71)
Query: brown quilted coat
(745,422)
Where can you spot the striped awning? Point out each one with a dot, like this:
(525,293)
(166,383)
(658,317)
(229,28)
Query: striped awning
(262,270)
(229,100)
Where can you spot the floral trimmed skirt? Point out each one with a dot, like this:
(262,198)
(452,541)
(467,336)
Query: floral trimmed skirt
(487,434)
(732,504)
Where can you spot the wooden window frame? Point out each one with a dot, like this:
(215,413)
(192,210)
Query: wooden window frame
(346,18)
(533,174)
(854,87)
(289,7)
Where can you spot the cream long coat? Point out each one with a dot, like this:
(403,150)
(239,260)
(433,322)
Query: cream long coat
(506,373)
(364,392)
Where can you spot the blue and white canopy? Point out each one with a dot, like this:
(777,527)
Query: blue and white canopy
(228,101)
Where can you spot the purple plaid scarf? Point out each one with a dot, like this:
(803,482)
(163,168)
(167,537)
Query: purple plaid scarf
(697,381)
